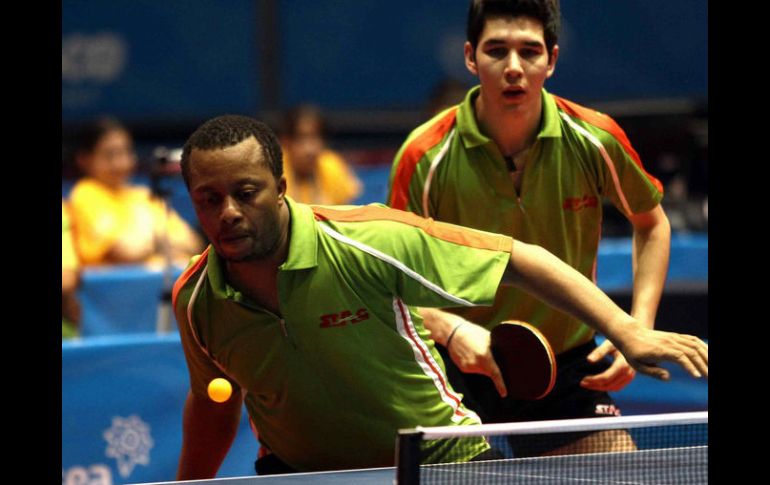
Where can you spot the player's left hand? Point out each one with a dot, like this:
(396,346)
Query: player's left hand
(644,348)
(616,377)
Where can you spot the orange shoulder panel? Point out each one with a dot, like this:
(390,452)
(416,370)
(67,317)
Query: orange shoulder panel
(607,124)
(413,153)
(187,274)
(441,230)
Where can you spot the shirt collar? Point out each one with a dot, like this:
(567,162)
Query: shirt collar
(216,276)
(468,126)
(303,245)
(303,238)
(551,125)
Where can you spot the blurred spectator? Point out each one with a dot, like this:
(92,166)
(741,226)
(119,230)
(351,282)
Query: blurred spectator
(70,277)
(685,212)
(447,93)
(114,221)
(314,173)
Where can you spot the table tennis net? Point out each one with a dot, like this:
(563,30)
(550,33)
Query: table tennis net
(654,449)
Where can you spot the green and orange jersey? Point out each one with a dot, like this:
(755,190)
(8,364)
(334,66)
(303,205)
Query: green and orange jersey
(449,170)
(348,362)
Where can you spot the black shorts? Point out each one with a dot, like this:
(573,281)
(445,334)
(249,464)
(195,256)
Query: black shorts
(567,399)
(271,465)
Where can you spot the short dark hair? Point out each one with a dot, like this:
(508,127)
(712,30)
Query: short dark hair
(293,116)
(546,11)
(228,130)
(92,133)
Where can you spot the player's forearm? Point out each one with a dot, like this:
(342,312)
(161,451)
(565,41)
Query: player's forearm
(440,323)
(540,273)
(651,248)
(209,429)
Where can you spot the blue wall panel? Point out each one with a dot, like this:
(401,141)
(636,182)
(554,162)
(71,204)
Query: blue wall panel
(182,60)
(169,60)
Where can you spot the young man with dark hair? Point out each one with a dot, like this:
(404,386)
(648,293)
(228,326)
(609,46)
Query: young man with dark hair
(515,159)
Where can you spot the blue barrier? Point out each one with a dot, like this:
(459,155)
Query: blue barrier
(121,299)
(688,262)
(122,402)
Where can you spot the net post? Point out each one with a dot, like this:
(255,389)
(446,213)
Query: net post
(408,457)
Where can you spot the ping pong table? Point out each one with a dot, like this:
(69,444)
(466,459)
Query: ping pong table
(655,467)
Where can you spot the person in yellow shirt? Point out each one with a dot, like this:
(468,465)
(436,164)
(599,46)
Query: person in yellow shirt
(115,222)
(314,173)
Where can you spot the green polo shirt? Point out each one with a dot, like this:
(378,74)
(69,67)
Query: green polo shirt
(348,362)
(449,170)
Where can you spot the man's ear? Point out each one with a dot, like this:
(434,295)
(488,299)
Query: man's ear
(470,58)
(552,61)
(281,187)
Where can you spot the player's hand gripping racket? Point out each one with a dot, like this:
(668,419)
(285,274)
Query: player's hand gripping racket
(525,359)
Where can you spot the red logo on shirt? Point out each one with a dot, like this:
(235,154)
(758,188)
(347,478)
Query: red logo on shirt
(343,318)
(578,203)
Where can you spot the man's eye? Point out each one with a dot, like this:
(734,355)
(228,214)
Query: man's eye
(209,199)
(245,194)
(497,52)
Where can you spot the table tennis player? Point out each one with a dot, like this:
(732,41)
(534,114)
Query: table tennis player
(515,159)
(309,311)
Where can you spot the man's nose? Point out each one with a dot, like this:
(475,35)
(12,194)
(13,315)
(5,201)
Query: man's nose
(513,66)
(231,211)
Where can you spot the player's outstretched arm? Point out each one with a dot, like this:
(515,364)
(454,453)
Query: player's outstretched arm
(545,276)
(208,431)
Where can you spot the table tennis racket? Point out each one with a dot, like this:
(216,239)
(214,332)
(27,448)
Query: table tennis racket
(525,359)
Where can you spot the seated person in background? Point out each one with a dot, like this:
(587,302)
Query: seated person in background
(446,94)
(115,222)
(315,174)
(70,277)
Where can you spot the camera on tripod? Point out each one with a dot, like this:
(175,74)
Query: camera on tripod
(165,166)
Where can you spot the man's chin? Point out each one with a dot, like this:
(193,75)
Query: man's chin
(241,256)
(233,256)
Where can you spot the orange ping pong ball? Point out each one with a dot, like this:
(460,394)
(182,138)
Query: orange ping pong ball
(220,390)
